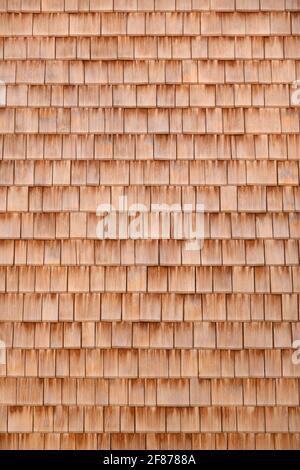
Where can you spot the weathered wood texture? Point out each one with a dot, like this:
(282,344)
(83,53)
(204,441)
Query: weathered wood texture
(121,344)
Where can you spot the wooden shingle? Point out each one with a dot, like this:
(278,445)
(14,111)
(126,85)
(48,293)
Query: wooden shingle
(142,343)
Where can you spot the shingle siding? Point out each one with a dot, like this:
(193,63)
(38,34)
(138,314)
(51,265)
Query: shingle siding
(131,343)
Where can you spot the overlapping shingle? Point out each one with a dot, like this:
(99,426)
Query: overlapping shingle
(139,343)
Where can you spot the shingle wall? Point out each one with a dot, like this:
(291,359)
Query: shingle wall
(138,343)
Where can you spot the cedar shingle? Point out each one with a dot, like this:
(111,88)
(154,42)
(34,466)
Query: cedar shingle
(198,343)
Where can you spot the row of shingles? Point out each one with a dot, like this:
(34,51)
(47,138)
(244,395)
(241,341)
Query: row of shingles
(273,333)
(112,307)
(56,226)
(145,147)
(147,48)
(147,419)
(268,363)
(166,26)
(152,121)
(186,365)
(160,24)
(85,199)
(153,441)
(254,371)
(231,252)
(124,390)
(180,279)
(147,5)
(21,175)
(151,24)
(70,385)
(149,96)
(143,72)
